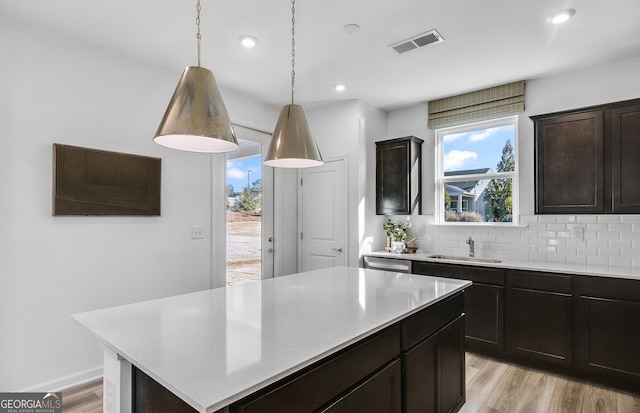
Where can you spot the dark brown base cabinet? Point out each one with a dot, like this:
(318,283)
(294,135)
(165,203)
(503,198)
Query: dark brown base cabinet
(539,316)
(444,353)
(608,333)
(583,326)
(483,301)
(415,365)
(379,394)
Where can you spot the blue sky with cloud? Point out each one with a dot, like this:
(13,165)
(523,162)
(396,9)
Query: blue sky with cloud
(237,172)
(476,149)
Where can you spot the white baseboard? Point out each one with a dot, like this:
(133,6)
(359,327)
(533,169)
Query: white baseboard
(67,381)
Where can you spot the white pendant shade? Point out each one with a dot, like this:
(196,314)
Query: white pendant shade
(292,145)
(196,119)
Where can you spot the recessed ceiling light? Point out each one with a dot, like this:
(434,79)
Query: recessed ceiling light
(248,41)
(561,16)
(340,87)
(351,28)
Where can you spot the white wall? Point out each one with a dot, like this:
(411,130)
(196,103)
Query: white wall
(610,239)
(56,89)
(335,129)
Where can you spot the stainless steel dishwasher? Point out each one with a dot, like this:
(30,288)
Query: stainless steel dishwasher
(387,264)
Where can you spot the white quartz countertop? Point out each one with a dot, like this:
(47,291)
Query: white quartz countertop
(579,269)
(214,347)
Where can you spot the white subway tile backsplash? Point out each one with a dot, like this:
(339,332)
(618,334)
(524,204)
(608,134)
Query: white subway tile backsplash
(597,227)
(564,234)
(538,241)
(576,259)
(568,251)
(547,249)
(620,245)
(556,242)
(521,256)
(593,260)
(529,248)
(557,258)
(608,235)
(588,251)
(608,253)
(598,243)
(620,227)
(608,219)
(608,239)
(620,262)
(539,257)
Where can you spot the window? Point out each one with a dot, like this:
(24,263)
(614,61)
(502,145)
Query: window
(477,173)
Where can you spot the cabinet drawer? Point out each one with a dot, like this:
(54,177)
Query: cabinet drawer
(430,320)
(614,288)
(463,272)
(554,283)
(318,386)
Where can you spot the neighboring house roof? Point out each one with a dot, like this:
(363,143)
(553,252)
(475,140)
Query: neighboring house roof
(455,191)
(467,186)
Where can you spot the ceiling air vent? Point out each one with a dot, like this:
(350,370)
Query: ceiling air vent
(415,42)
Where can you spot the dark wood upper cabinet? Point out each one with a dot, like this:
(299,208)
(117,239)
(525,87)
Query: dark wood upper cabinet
(625,154)
(586,161)
(399,176)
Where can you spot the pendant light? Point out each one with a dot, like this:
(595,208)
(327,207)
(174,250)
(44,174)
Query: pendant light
(292,145)
(196,119)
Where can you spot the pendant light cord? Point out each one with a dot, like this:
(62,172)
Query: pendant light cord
(293,47)
(198,36)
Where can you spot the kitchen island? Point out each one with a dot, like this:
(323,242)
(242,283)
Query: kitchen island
(232,348)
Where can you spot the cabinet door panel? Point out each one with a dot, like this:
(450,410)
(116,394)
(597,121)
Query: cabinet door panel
(569,151)
(539,325)
(420,378)
(451,367)
(379,394)
(399,176)
(610,336)
(625,148)
(483,307)
(434,374)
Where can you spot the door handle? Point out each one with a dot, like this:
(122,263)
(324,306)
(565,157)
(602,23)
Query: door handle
(270,250)
(339,249)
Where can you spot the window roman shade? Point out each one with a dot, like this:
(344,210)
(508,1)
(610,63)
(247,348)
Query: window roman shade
(475,106)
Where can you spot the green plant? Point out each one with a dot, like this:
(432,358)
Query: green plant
(398,231)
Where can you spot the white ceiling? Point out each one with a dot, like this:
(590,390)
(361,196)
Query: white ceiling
(487,42)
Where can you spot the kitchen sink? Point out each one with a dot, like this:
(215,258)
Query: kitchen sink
(469,259)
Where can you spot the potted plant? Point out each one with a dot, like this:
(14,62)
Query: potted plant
(396,232)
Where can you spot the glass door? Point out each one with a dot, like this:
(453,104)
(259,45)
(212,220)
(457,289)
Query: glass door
(249,210)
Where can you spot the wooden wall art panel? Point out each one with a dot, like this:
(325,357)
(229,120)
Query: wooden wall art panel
(96,182)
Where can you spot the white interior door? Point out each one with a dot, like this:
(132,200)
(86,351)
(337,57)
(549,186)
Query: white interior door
(323,210)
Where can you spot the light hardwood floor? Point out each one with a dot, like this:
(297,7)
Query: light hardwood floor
(492,387)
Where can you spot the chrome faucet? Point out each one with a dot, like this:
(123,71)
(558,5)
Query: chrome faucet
(472,249)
